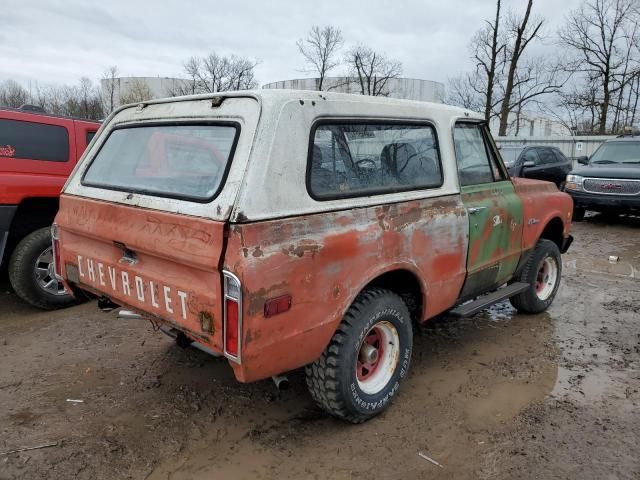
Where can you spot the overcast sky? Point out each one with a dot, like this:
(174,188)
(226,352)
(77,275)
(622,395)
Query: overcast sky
(60,41)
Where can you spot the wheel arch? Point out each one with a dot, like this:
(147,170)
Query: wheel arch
(554,231)
(33,213)
(404,282)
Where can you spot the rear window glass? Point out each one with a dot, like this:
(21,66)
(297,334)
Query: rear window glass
(359,159)
(33,141)
(177,161)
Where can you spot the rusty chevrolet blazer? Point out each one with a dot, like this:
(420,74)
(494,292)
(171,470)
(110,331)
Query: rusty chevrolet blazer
(287,229)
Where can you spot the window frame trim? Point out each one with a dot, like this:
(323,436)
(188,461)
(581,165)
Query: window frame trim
(489,143)
(68,132)
(189,198)
(369,121)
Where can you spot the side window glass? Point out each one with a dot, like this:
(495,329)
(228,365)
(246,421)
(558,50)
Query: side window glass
(530,156)
(547,156)
(33,141)
(560,158)
(474,165)
(352,159)
(90,136)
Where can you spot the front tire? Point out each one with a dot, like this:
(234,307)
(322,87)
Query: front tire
(359,373)
(542,272)
(31,273)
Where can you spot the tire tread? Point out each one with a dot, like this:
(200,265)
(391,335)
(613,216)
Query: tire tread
(322,374)
(525,301)
(21,277)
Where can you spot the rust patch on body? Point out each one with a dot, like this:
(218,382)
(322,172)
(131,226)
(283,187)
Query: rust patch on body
(324,260)
(301,248)
(257,299)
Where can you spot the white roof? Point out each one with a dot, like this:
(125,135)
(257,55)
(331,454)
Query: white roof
(286,95)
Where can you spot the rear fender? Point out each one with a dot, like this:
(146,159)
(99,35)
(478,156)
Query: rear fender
(325,260)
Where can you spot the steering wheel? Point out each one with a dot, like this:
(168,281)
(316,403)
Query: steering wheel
(366,161)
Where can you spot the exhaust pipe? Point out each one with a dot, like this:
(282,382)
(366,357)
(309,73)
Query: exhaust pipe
(129,315)
(281,381)
(184,342)
(106,304)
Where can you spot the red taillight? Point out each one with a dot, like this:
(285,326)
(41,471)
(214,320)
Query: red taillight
(55,240)
(277,305)
(231,331)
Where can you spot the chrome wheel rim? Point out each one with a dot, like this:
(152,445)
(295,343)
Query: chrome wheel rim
(45,276)
(378,357)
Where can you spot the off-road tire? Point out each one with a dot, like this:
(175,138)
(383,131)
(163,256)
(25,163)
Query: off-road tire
(22,272)
(528,300)
(578,214)
(332,378)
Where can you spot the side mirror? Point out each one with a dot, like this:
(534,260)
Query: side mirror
(529,164)
(583,160)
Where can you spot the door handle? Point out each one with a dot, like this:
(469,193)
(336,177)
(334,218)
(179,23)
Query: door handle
(474,210)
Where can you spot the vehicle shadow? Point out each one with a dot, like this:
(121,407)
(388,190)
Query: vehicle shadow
(613,219)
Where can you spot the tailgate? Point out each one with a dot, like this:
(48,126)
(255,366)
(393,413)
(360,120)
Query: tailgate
(161,263)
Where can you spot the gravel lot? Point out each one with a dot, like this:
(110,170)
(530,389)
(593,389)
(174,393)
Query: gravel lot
(499,395)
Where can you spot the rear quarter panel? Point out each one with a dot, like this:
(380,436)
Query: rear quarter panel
(325,260)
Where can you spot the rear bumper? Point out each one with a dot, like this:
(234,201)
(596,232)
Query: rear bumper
(595,201)
(6,217)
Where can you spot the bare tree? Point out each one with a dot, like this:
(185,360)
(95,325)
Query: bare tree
(602,34)
(12,94)
(241,73)
(112,85)
(191,86)
(487,48)
(321,50)
(534,80)
(507,80)
(463,91)
(135,92)
(372,70)
(216,73)
(521,33)
(85,91)
(82,100)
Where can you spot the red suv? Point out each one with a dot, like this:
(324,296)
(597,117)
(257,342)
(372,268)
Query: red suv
(37,154)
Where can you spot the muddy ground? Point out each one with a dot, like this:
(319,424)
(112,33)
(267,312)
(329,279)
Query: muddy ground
(498,396)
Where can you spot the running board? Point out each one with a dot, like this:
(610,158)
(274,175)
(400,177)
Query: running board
(473,307)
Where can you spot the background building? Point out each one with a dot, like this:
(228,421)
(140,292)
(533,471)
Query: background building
(406,88)
(530,126)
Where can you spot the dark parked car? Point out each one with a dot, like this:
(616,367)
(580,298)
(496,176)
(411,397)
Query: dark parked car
(609,181)
(539,162)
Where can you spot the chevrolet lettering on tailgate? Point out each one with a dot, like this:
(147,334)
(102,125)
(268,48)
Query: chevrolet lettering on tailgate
(155,294)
